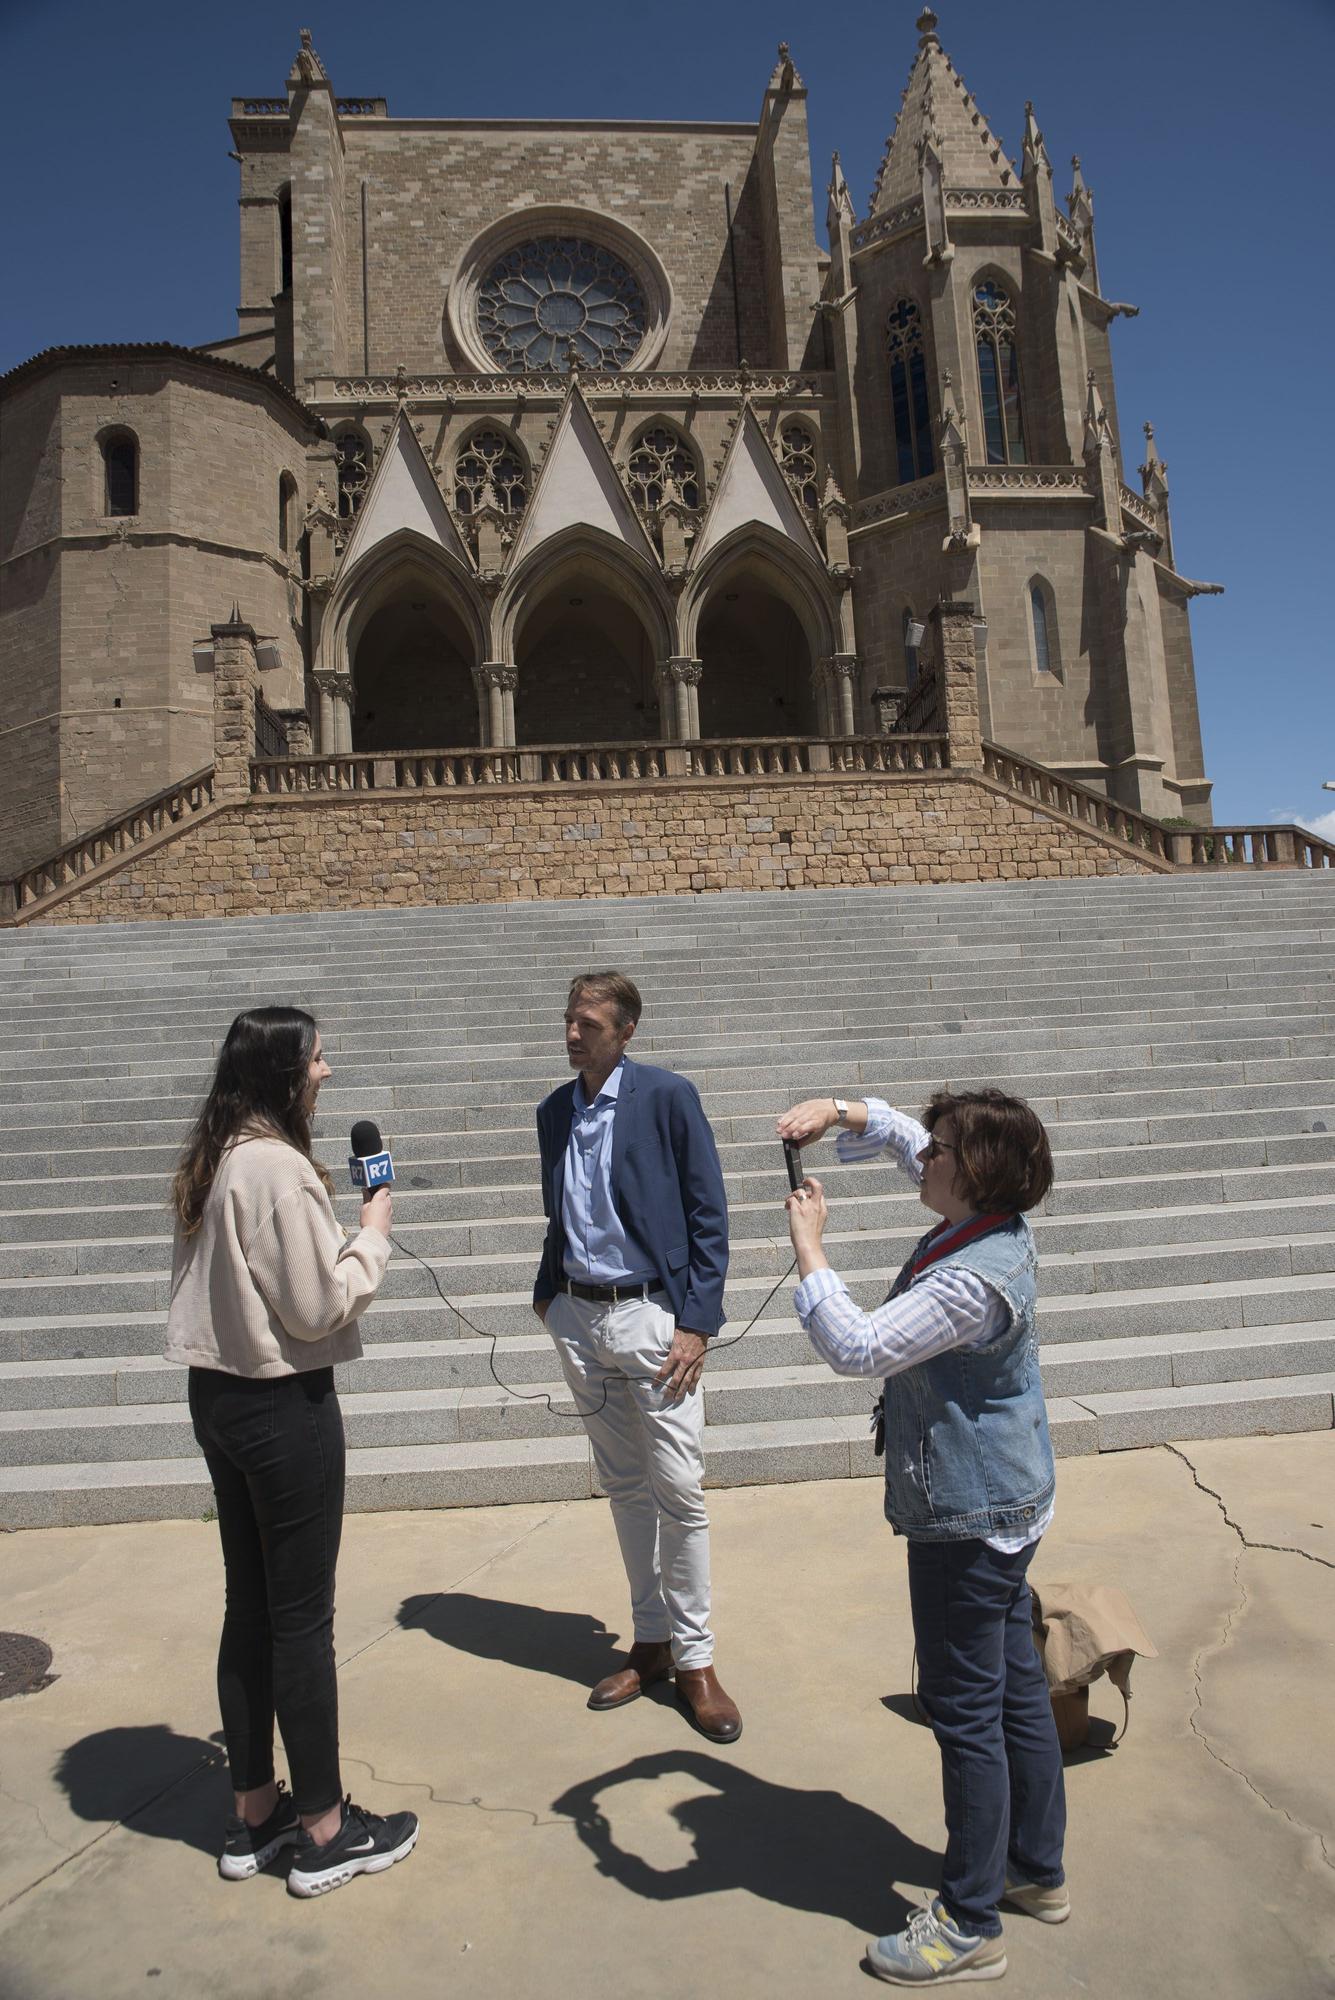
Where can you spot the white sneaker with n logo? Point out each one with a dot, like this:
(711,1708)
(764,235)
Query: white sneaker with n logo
(931,1952)
(365,1844)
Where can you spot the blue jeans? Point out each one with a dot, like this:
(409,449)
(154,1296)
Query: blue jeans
(982,1685)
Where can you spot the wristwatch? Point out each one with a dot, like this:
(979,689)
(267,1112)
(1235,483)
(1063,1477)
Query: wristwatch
(841,1109)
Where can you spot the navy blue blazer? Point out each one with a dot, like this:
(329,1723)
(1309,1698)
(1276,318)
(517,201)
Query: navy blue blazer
(667,1186)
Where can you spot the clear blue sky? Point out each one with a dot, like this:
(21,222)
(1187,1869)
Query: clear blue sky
(1203,126)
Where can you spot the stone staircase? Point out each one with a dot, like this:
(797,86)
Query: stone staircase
(1173,1032)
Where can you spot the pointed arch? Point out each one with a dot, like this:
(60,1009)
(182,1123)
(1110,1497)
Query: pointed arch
(490,452)
(588,625)
(793,576)
(562,555)
(364,587)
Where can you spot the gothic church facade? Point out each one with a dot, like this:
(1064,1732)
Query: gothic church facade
(569,432)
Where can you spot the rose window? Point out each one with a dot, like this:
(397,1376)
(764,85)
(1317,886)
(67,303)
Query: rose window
(542,297)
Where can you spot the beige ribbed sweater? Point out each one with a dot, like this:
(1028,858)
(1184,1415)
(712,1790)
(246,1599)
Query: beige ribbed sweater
(268,1285)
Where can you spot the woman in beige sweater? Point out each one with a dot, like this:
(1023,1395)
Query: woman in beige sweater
(266,1294)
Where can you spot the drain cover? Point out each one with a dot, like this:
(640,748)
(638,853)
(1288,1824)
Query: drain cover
(23,1664)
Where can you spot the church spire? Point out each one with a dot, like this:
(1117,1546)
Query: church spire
(937,111)
(1080,202)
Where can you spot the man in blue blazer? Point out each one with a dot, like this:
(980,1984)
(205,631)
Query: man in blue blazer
(630,1287)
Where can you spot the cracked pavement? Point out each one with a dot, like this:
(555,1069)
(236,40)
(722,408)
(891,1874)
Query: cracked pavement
(1201,1854)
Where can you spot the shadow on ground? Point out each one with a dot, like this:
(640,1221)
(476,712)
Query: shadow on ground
(569,1644)
(814,1851)
(142,1777)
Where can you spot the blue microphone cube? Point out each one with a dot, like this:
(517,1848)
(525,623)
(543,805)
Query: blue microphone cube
(371,1171)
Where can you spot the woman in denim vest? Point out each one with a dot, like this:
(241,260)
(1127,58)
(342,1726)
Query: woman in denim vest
(969,1482)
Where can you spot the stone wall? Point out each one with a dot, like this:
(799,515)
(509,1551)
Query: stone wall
(665,839)
(101,700)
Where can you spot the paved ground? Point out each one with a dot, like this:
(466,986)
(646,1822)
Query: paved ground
(620,1855)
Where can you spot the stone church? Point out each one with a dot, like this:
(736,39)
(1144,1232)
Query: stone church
(571,432)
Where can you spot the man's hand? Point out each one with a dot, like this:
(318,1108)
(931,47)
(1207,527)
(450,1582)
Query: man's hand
(684,1365)
(540,1308)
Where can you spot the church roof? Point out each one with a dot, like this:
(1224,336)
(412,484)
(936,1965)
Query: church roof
(937,106)
(159,350)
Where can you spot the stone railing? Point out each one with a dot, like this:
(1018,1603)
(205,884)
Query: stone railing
(1079,802)
(1250,847)
(598,764)
(539,391)
(164,810)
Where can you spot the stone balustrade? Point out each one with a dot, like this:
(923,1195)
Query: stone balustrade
(599,764)
(165,810)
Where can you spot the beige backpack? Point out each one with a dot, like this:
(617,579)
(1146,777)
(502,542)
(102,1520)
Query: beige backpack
(1083,1630)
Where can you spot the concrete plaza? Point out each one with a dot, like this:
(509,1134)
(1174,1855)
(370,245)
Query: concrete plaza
(621,1855)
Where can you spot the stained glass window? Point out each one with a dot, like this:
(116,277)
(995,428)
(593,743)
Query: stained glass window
(798,459)
(489,456)
(540,297)
(353,471)
(660,455)
(914,456)
(998,374)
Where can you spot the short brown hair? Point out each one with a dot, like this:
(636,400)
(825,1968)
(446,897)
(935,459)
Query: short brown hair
(1002,1156)
(614,986)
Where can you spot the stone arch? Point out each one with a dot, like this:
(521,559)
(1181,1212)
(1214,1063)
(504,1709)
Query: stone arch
(587,625)
(762,620)
(406,629)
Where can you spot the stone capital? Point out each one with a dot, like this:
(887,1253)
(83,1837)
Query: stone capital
(684,671)
(498,674)
(337,686)
(842,666)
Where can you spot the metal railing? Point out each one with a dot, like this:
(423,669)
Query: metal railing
(270,730)
(79,857)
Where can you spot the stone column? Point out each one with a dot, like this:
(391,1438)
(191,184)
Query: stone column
(840,669)
(298,726)
(820,687)
(236,682)
(957,670)
(335,714)
(684,676)
(497,681)
(665,689)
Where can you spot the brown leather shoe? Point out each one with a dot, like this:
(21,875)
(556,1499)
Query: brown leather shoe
(716,1713)
(649,1660)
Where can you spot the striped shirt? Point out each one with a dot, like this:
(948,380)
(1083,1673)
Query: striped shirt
(946,1307)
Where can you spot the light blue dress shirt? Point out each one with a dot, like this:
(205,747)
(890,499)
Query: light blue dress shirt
(595,1241)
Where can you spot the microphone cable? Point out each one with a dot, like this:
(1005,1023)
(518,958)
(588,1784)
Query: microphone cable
(575,1416)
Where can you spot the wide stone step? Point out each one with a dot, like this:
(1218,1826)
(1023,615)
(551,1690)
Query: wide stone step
(535,1469)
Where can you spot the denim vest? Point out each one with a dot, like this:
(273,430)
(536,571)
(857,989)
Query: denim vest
(967,1452)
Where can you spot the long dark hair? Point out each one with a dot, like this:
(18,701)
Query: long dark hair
(260,1083)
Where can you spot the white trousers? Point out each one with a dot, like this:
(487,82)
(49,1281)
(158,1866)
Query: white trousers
(649,1453)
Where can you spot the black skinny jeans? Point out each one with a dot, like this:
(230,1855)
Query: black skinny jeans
(275,1453)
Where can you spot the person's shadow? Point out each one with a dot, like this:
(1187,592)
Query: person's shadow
(570,1644)
(141,1777)
(814,1851)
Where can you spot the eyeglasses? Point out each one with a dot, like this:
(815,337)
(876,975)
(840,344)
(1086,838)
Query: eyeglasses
(935,1147)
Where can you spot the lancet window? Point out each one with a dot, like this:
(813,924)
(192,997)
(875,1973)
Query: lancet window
(1043,623)
(797,448)
(120,459)
(354,471)
(659,456)
(914,455)
(490,459)
(998,373)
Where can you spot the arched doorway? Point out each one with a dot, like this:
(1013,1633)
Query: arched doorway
(586,667)
(411,672)
(756,661)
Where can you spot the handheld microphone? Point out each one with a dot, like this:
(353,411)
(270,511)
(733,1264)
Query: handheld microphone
(369,1164)
(792,1159)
